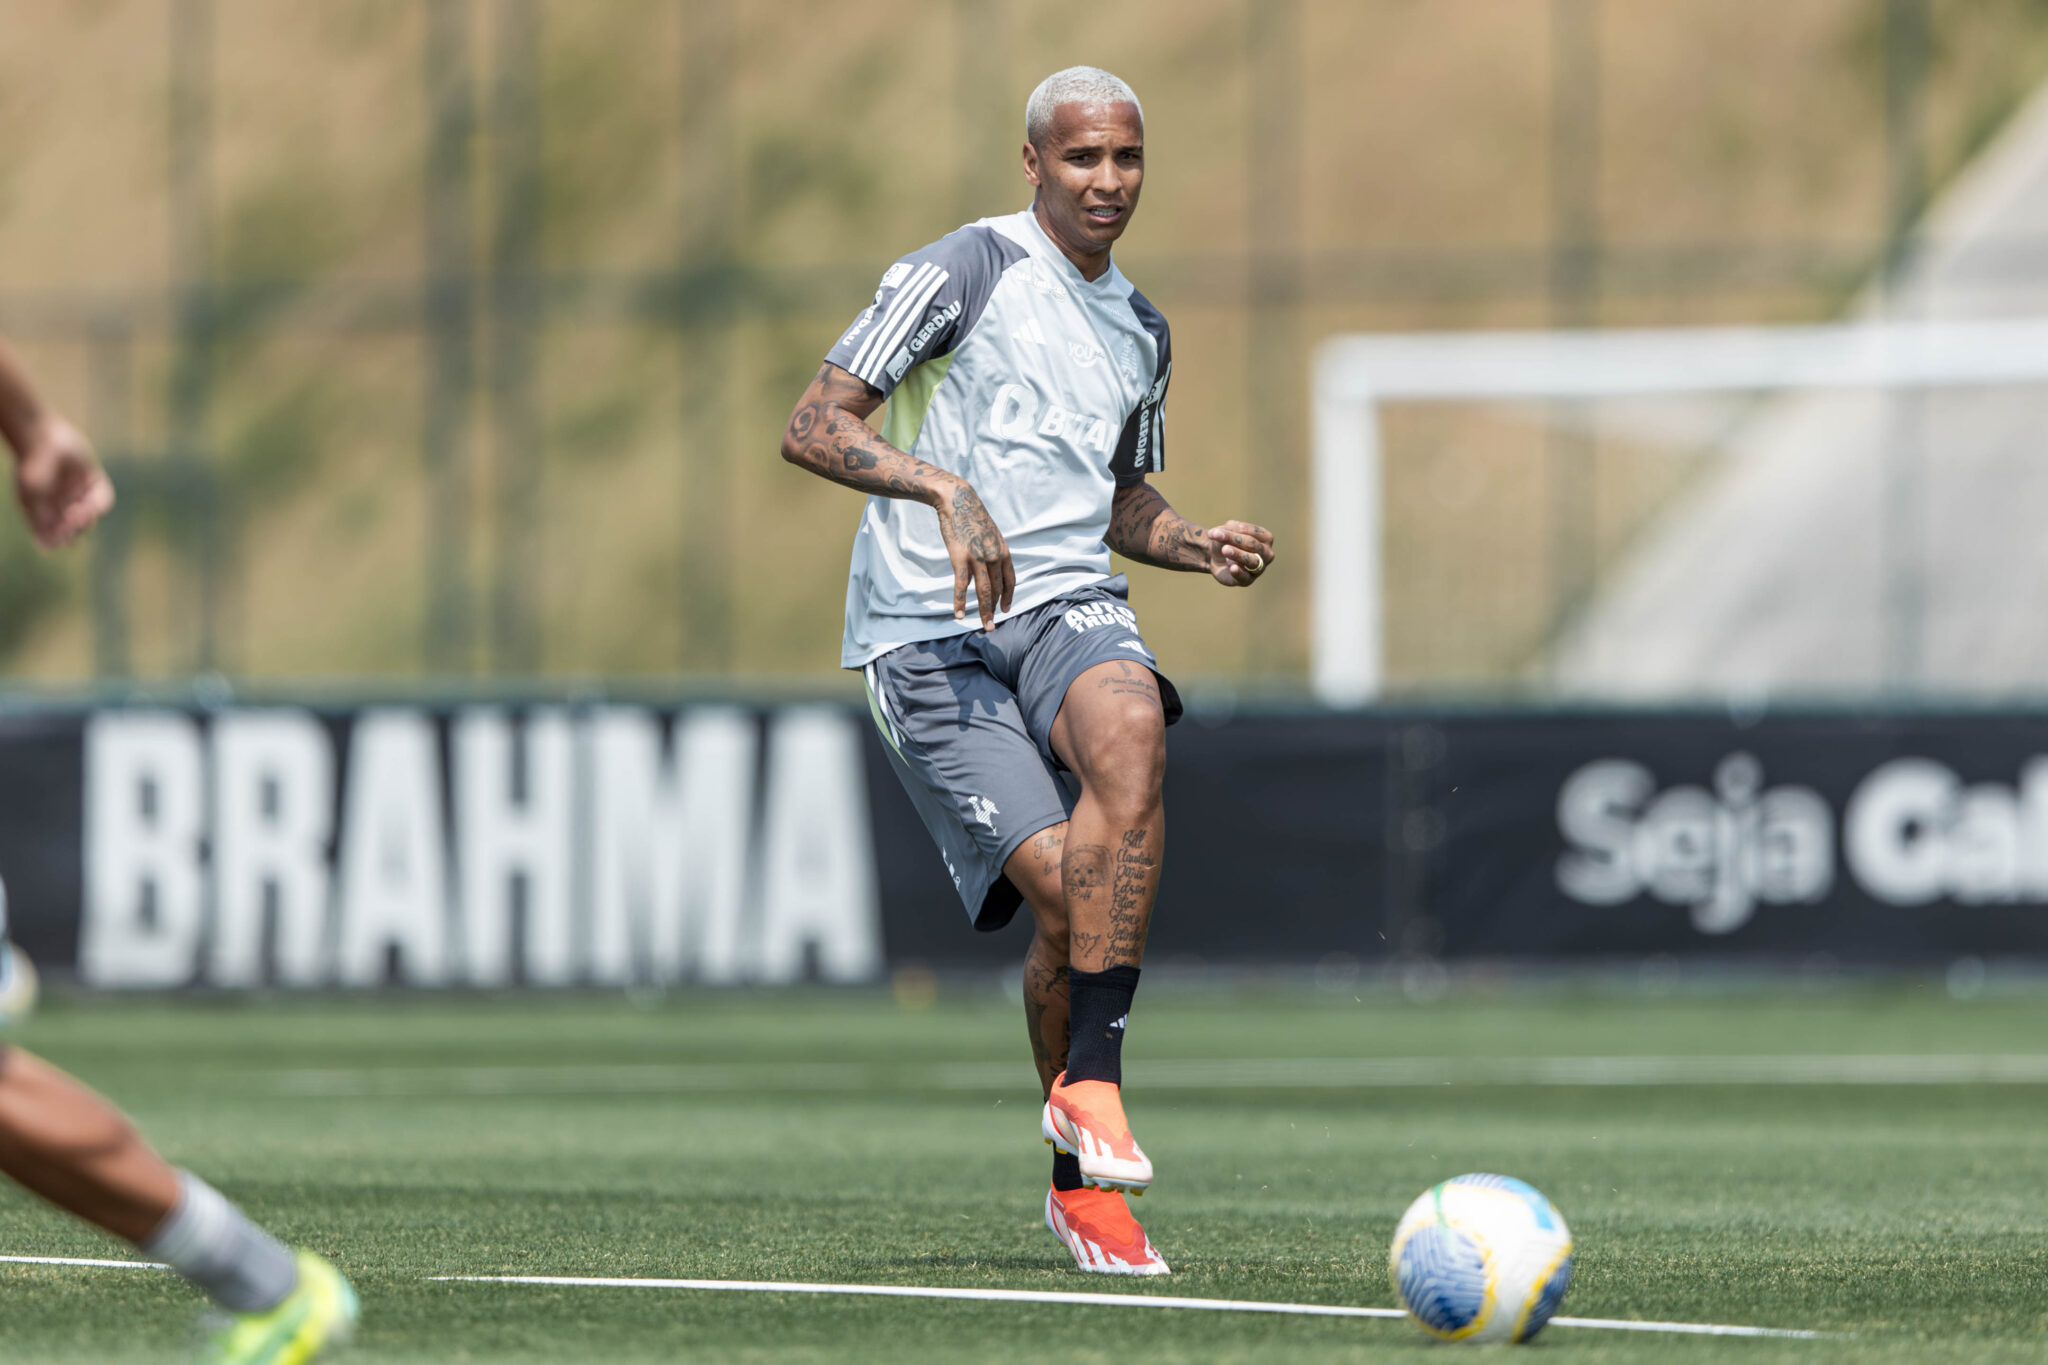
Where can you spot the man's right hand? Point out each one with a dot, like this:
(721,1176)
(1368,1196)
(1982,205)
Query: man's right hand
(60,484)
(980,554)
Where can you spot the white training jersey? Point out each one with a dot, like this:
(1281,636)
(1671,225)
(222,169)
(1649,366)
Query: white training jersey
(1042,390)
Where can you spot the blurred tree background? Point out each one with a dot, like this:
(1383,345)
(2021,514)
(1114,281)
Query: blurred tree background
(447,338)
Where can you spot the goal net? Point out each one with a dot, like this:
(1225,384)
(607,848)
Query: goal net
(1708,512)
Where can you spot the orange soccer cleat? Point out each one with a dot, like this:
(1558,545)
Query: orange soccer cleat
(1097,1227)
(1087,1119)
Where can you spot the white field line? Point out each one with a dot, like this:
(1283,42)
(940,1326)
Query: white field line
(906,1291)
(1284,1073)
(901,1291)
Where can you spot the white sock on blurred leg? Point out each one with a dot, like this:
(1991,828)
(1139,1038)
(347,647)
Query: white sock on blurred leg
(213,1244)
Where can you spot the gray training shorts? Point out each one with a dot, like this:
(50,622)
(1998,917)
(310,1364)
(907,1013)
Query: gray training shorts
(967,721)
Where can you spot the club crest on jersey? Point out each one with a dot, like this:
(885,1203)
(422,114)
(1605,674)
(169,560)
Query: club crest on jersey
(1089,616)
(984,810)
(1127,359)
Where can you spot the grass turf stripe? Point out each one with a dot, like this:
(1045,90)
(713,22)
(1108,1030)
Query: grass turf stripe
(80,1260)
(905,1291)
(1295,1073)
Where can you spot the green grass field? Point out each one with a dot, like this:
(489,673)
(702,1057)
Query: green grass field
(838,1137)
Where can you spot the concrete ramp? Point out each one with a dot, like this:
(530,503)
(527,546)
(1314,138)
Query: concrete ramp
(1846,543)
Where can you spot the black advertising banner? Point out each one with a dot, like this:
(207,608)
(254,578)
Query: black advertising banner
(1870,838)
(610,845)
(1274,839)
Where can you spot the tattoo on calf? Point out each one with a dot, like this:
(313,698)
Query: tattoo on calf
(1045,1010)
(1049,847)
(1083,871)
(1130,906)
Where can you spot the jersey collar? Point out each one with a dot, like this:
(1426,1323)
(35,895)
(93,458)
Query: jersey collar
(1111,283)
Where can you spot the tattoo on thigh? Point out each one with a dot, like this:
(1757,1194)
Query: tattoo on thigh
(1129,682)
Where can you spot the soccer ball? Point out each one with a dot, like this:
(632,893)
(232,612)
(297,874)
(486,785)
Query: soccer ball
(1481,1258)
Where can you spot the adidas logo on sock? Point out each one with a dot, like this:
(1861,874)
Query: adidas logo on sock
(1120,1023)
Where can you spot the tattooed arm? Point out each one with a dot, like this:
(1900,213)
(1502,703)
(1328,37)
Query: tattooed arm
(1144,528)
(829,435)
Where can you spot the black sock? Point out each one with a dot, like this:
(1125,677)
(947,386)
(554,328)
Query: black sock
(1066,1171)
(1098,1003)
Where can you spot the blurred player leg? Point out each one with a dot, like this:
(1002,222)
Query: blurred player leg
(64,1142)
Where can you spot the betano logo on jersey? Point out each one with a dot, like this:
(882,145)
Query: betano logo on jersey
(1017,412)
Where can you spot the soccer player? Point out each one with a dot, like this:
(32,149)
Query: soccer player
(67,1144)
(1025,379)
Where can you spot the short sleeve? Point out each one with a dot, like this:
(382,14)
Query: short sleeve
(1141,449)
(927,303)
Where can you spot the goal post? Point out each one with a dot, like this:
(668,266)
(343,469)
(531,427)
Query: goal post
(1355,375)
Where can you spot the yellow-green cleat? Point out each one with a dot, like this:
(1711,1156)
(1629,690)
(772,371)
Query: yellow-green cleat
(318,1315)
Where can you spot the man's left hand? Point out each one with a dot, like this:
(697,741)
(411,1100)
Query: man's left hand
(1238,553)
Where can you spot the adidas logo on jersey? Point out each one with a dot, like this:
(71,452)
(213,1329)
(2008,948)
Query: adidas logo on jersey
(1030,332)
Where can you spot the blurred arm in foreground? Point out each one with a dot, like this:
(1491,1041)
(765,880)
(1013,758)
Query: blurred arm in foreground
(65,1142)
(57,479)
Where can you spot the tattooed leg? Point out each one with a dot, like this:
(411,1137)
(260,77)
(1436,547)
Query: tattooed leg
(1035,870)
(1111,731)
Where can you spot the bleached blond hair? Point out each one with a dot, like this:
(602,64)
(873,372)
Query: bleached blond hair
(1075,85)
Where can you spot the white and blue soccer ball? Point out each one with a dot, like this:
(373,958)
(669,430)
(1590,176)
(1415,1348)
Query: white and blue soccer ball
(1481,1258)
